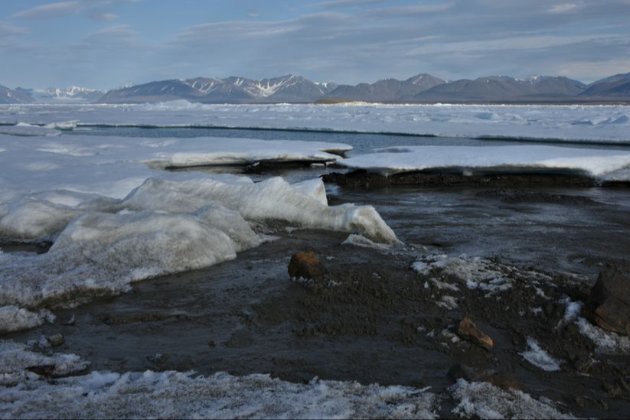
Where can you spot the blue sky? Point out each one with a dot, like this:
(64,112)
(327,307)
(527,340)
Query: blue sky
(109,43)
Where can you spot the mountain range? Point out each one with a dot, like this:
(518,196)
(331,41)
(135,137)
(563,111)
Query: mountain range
(422,88)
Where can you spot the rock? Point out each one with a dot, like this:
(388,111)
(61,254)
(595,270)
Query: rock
(609,300)
(469,331)
(306,264)
(56,340)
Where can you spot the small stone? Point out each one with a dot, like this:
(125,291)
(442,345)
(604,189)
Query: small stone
(56,340)
(306,264)
(469,331)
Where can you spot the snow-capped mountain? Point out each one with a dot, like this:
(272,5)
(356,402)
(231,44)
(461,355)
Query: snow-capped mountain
(289,88)
(13,96)
(420,88)
(70,94)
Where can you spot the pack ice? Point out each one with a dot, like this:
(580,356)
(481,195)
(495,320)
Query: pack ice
(115,217)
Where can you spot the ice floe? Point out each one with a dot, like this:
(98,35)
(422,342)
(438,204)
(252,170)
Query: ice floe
(18,365)
(600,163)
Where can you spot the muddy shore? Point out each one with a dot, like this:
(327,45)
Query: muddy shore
(373,318)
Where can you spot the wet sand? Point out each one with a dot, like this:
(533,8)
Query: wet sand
(374,319)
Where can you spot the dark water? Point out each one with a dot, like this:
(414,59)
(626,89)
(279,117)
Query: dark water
(361,142)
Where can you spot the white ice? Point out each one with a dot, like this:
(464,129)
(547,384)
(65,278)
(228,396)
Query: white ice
(169,394)
(593,162)
(187,395)
(608,123)
(13,318)
(116,217)
(486,401)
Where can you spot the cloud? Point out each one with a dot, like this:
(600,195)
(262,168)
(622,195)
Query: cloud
(102,16)
(10,30)
(336,4)
(47,11)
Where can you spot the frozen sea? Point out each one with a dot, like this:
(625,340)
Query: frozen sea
(98,201)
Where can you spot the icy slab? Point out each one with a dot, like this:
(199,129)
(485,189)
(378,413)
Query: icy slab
(113,166)
(16,360)
(486,401)
(27,130)
(593,162)
(596,123)
(185,395)
(163,226)
(13,318)
(272,199)
(538,357)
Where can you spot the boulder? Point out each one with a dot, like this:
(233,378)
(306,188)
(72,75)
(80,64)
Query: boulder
(469,331)
(609,300)
(306,264)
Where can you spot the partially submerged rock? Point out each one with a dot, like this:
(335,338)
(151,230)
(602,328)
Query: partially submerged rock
(469,331)
(610,299)
(306,264)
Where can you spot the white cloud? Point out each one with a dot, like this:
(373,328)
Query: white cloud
(46,11)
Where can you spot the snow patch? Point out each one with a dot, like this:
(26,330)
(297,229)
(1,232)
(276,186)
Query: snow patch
(486,401)
(606,342)
(187,395)
(538,357)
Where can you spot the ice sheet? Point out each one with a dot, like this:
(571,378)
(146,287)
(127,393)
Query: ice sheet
(607,123)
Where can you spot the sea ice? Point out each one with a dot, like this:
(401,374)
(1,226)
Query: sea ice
(115,216)
(541,122)
(593,162)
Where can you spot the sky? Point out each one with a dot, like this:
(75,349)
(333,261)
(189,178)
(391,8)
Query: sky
(106,44)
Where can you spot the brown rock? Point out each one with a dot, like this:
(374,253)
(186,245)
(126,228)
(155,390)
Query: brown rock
(306,264)
(469,331)
(610,299)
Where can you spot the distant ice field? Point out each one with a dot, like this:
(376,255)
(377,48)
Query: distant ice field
(554,123)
